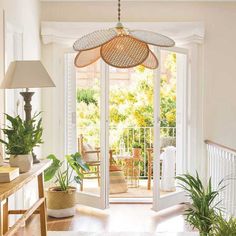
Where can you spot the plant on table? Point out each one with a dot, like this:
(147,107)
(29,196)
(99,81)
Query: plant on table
(21,138)
(137,149)
(136,145)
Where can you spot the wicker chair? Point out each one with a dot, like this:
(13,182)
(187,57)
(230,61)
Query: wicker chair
(92,158)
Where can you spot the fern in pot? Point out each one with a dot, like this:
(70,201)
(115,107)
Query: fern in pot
(61,198)
(21,138)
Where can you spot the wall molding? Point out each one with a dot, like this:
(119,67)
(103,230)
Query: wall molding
(67,32)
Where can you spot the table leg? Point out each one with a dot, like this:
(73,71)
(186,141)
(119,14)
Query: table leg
(149,171)
(42,208)
(1,218)
(5,216)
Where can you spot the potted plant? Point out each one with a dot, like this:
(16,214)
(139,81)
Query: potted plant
(61,199)
(136,150)
(22,137)
(201,213)
(222,226)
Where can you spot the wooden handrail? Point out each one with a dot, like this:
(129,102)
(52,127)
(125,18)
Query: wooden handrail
(220,146)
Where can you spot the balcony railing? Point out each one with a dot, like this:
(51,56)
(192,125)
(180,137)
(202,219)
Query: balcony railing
(129,135)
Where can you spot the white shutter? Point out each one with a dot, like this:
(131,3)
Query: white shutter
(70,104)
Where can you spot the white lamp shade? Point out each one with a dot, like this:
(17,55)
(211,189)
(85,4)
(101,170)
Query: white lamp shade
(26,74)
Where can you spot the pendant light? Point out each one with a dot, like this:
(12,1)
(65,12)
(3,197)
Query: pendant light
(120,47)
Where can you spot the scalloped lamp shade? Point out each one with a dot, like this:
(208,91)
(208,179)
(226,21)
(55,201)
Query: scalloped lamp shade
(26,74)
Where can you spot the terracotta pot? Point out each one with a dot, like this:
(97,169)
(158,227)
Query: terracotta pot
(24,162)
(61,203)
(136,152)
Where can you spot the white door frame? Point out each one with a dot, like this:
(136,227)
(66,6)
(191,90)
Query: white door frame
(162,202)
(100,200)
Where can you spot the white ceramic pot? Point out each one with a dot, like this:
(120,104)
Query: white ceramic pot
(61,203)
(24,162)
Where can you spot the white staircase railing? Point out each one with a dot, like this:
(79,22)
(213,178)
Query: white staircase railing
(222,165)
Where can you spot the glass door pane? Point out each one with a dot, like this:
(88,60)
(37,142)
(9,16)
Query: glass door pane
(172,131)
(130,133)
(87,110)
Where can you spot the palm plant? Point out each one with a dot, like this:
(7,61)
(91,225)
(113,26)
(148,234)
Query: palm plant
(64,177)
(201,214)
(224,227)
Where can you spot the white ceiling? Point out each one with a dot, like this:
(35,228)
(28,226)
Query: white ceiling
(138,0)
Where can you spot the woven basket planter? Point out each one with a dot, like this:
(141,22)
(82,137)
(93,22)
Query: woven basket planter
(118,183)
(61,203)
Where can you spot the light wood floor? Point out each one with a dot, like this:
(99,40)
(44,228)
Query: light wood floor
(119,218)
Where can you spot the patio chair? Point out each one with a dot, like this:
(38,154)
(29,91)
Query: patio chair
(92,158)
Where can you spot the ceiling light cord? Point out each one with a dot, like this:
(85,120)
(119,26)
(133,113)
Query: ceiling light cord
(119,10)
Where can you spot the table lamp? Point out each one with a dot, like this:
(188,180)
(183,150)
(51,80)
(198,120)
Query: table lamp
(26,75)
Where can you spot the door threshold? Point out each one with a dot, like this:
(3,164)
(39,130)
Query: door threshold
(130,200)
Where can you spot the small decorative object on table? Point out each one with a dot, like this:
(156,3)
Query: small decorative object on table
(61,199)
(22,137)
(7,173)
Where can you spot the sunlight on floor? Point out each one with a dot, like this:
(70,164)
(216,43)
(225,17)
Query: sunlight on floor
(91,186)
(129,218)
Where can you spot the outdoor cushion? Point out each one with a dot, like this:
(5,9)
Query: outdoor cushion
(89,157)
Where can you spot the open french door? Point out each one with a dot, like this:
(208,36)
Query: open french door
(99,198)
(160,200)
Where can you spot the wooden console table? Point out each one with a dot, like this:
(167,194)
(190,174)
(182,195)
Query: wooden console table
(39,207)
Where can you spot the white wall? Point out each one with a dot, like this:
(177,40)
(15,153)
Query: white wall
(218,50)
(25,16)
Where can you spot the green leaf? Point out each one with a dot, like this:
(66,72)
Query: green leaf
(51,171)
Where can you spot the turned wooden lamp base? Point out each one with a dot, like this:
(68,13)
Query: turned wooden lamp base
(28,108)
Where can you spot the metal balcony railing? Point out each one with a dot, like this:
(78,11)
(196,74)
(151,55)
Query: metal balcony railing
(127,136)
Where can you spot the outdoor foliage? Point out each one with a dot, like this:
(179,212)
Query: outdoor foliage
(22,136)
(64,176)
(86,96)
(132,106)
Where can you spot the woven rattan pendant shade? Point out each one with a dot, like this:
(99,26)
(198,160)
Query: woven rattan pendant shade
(152,38)
(85,58)
(136,52)
(120,47)
(151,62)
(94,39)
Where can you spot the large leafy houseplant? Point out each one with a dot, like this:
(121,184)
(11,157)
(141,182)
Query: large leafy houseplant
(61,199)
(21,138)
(64,176)
(201,213)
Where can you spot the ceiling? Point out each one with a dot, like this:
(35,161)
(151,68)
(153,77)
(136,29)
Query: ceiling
(138,1)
